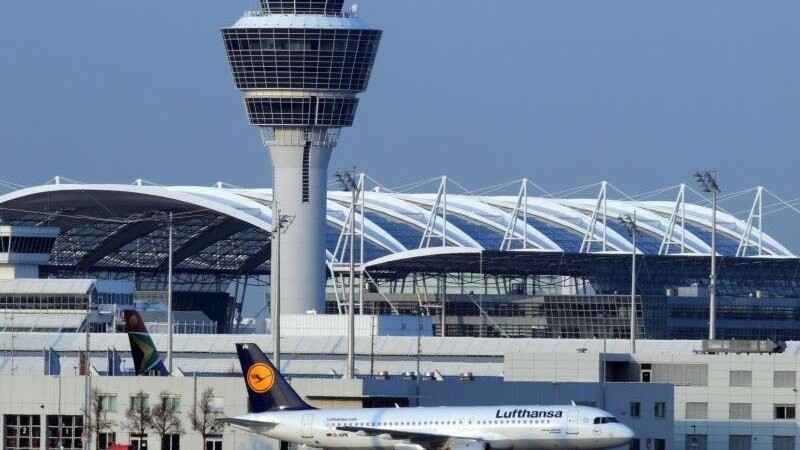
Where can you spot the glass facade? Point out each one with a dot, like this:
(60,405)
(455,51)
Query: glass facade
(567,239)
(737,318)
(518,316)
(308,59)
(371,250)
(407,234)
(487,237)
(44,302)
(726,246)
(25,244)
(645,242)
(314,111)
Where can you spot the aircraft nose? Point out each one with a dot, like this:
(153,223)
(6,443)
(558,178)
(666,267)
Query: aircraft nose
(625,432)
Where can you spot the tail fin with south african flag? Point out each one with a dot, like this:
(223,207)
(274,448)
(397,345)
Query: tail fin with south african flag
(145,356)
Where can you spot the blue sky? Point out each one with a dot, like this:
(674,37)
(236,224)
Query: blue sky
(566,93)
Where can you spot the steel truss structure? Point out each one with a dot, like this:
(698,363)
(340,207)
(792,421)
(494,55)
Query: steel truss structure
(222,235)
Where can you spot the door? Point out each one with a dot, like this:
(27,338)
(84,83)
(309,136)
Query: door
(572,422)
(696,442)
(307,431)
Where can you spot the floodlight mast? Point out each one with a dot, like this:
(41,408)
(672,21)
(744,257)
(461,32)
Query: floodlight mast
(300,67)
(707,181)
(348,182)
(169,296)
(281,224)
(630,225)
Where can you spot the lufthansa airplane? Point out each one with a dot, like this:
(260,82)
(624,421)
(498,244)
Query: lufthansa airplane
(280,413)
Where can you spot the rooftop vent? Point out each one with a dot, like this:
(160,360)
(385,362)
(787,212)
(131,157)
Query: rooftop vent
(738,347)
(409,375)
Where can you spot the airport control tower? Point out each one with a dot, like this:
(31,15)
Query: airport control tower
(301,65)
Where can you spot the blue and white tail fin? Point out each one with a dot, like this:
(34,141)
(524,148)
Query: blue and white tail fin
(266,387)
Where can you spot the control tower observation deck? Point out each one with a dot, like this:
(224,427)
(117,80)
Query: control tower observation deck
(300,65)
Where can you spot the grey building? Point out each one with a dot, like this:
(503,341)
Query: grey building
(452,371)
(37,410)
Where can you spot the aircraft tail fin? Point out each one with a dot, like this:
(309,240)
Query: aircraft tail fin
(266,387)
(146,358)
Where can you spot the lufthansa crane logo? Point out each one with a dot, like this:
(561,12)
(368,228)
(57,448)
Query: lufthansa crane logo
(260,378)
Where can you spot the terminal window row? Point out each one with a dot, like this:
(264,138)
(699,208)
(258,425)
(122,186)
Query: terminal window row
(736,411)
(785,313)
(735,442)
(697,375)
(781,378)
(27,302)
(659,410)
(25,244)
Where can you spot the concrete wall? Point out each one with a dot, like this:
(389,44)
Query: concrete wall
(703,381)
(44,395)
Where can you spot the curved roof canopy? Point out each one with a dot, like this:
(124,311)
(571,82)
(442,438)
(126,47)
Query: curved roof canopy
(222,229)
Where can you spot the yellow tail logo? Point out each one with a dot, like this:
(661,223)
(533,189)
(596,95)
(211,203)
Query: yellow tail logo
(260,378)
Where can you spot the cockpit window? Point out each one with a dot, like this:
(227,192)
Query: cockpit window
(599,420)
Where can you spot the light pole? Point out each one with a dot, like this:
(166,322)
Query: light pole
(349,184)
(419,351)
(281,223)
(87,383)
(605,352)
(707,180)
(630,225)
(169,298)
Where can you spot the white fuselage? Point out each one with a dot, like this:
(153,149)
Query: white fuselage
(502,427)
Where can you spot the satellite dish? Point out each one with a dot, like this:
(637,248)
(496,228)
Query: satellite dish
(354,10)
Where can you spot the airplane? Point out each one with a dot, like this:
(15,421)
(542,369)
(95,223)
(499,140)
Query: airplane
(277,411)
(146,359)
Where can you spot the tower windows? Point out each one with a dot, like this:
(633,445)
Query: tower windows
(306,171)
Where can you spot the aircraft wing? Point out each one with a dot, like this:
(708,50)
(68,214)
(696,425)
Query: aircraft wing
(255,426)
(426,440)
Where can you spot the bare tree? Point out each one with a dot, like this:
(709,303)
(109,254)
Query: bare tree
(204,416)
(139,415)
(98,417)
(166,420)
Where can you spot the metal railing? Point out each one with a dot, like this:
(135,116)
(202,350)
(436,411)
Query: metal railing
(349,14)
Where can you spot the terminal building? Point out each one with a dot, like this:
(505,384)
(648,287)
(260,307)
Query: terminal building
(674,394)
(484,266)
(534,295)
